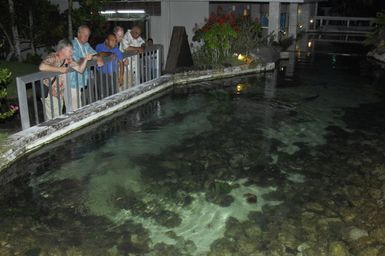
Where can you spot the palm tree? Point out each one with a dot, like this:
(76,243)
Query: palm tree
(31,34)
(70,33)
(9,40)
(15,32)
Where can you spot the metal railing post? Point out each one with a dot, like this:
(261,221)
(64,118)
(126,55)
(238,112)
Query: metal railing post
(137,69)
(23,103)
(67,94)
(158,63)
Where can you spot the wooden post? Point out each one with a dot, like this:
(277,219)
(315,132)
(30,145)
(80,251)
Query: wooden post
(179,54)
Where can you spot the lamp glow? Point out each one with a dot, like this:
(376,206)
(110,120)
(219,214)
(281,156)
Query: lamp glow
(131,11)
(241,57)
(309,44)
(108,12)
(239,88)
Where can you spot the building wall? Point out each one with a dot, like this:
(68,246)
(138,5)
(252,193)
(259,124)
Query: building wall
(179,13)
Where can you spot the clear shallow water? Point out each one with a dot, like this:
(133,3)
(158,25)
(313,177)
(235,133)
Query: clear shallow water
(260,165)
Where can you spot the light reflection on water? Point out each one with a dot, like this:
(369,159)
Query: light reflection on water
(235,167)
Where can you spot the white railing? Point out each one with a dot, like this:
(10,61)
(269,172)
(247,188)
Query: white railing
(330,24)
(35,108)
(353,38)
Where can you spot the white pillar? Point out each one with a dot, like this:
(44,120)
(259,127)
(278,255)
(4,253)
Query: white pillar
(305,16)
(165,20)
(293,20)
(274,13)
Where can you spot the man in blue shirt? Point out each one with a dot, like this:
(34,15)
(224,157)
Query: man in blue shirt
(112,71)
(78,82)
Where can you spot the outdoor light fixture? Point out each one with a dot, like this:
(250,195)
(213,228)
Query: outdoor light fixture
(241,57)
(311,21)
(138,11)
(309,44)
(108,12)
(131,11)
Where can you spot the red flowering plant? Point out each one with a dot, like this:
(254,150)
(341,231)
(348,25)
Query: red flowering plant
(224,34)
(217,34)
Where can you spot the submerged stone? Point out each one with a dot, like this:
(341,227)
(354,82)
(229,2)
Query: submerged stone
(168,219)
(370,251)
(356,233)
(338,249)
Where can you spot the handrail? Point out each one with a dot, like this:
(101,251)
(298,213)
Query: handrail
(101,83)
(336,24)
(344,18)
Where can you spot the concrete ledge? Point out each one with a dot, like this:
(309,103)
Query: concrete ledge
(24,142)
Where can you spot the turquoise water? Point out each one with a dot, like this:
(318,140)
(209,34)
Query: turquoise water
(286,163)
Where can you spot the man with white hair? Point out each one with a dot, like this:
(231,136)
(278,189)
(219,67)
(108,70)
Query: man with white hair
(79,82)
(132,42)
(59,61)
(119,34)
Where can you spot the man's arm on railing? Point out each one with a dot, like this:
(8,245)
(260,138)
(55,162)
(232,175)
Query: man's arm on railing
(49,68)
(133,49)
(81,65)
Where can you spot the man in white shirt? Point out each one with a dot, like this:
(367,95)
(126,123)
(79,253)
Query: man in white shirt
(132,42)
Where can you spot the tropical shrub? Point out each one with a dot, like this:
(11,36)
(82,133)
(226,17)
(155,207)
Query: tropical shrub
(5,78)
(249,36)
(6,110)
(224,34)
(217,36)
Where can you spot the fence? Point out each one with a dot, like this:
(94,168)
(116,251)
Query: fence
(343,24)
(41,99)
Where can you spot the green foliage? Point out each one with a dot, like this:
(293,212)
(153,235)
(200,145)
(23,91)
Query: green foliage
(5,78)
(17,69)
(89,14)
(218,41)
(6,111)
(47,21)
(249,36)
(222,36)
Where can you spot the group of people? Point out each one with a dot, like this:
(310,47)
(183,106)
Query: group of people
(75,55)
